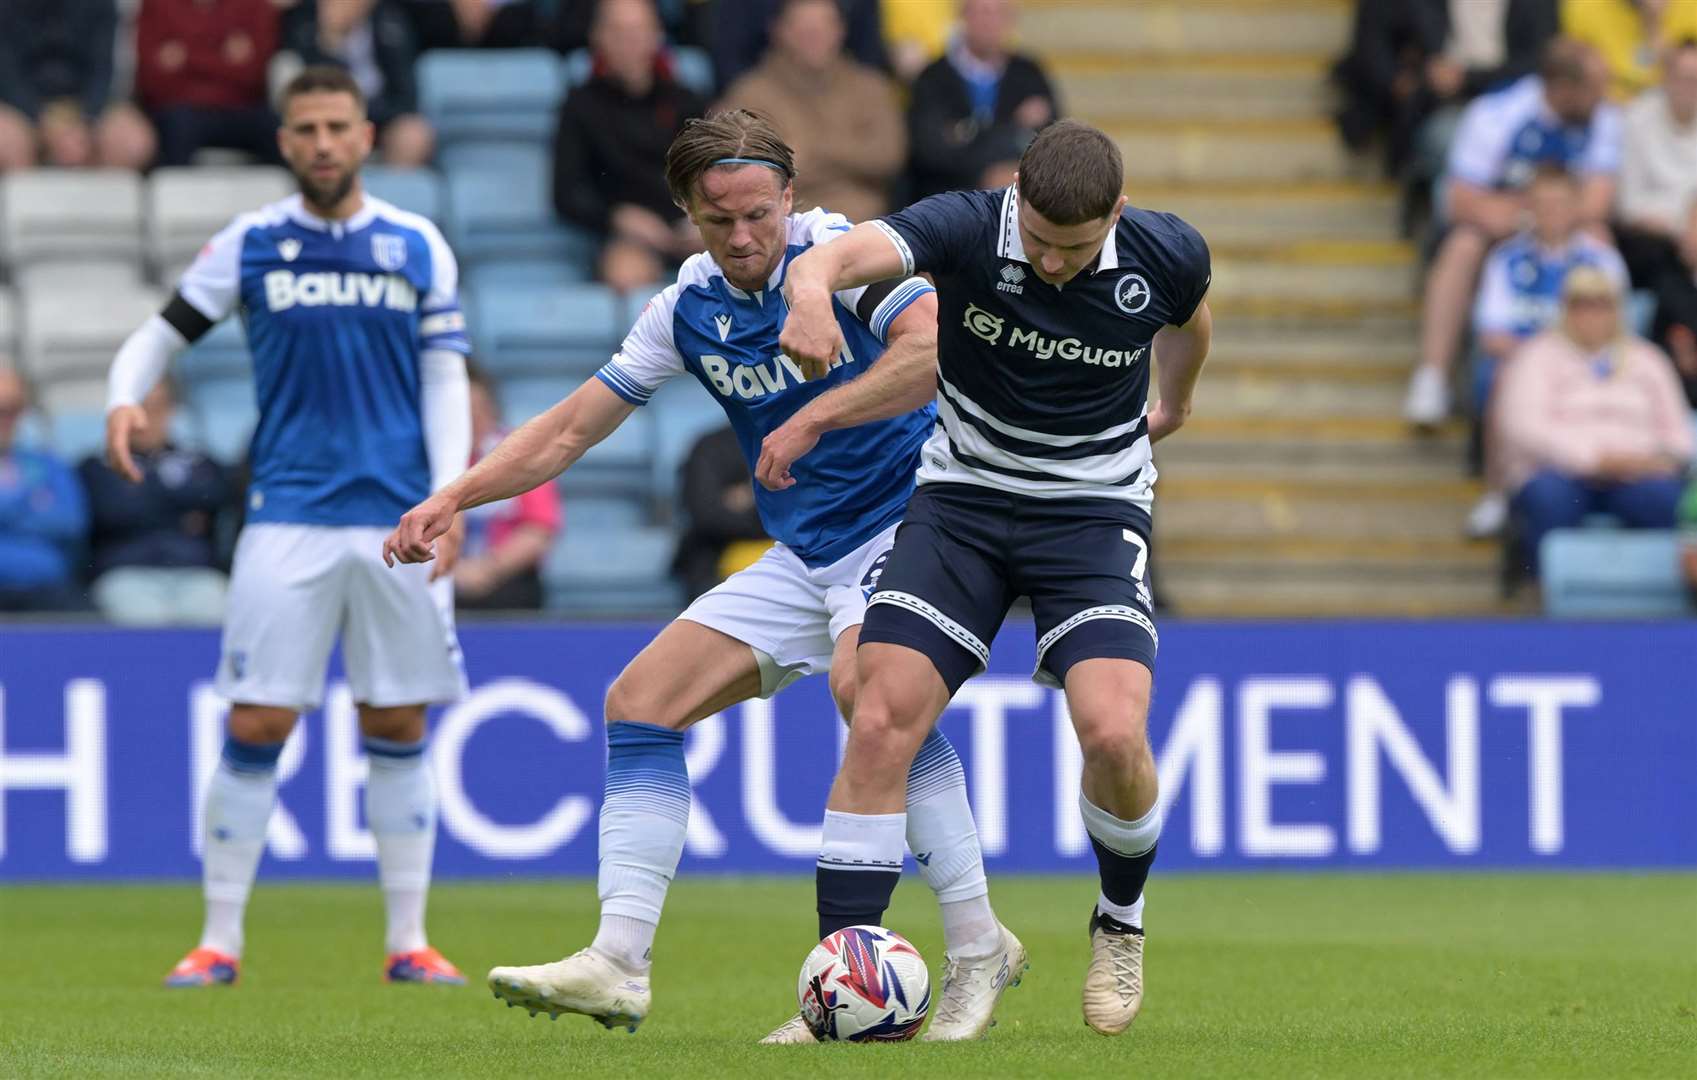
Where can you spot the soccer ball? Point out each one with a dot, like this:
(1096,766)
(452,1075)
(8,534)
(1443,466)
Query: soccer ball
(864,984)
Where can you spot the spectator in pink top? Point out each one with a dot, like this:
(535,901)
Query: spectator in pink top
(1588,419)
(500,567)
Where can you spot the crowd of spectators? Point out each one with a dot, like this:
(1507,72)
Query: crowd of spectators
(884,102)
(1553,146)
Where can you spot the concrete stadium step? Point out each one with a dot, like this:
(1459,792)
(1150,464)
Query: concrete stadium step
(1288,592)
(1351,277)
(1368,514)
(1277,393)
(1394,554)
(1274,151)
(1239,348)
(1189,454)
(1262,27)
(1216,86)
(1255,214)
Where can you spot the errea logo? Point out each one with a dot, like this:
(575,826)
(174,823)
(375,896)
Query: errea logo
(1012,275)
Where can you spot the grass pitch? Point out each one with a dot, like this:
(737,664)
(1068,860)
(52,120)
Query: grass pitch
(1249,976)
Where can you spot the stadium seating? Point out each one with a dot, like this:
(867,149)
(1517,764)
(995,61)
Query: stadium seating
(221,354)
(494,277)
(683,412)
(475,95)
(225,413)
(693,67)
(71,336)
(77,433)
(499,209)
(186,206)
(1612,573)
(56,214)
(547,330)
(419,191)
(594,573)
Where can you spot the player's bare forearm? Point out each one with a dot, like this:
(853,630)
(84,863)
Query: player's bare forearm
(537,452)
(810,335)
(543,448)
(902,380)
(1179,353)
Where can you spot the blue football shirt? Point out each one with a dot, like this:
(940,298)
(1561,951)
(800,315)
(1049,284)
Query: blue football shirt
(337,315)
(857,481)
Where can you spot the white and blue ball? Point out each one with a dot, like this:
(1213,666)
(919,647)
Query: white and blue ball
(864,984)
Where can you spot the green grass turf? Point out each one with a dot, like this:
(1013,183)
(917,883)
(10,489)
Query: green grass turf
(1249,976)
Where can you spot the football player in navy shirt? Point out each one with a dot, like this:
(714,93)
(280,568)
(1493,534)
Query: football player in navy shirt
(1056,300)
(352,315)
(794,612)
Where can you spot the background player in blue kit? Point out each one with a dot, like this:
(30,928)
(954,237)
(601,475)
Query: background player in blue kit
(794,612)
(353,319)
(1038,481)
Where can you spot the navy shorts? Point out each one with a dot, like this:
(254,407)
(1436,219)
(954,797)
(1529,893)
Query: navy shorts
(964,553)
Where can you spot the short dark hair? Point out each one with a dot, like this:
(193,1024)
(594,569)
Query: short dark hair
(1071,173)
(734,133)
(321,79)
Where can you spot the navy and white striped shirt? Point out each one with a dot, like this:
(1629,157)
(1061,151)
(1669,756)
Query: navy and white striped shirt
(1043,390)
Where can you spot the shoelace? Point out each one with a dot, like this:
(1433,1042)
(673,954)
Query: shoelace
(953,1002)
(1128,975)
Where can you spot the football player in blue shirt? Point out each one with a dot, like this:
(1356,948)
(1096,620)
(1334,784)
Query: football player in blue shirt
(1055,301)
(794,612)
(352,315)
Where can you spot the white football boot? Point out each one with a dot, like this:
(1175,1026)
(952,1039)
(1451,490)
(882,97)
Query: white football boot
(585,982)
(1113,985)
(972,988)
(793,1031)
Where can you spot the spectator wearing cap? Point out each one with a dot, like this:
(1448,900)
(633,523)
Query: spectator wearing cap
(500,565)
(977,106)
(152,545)
(43,515)
(1589,419)
(610,149)
(1557,116)
(1656,220)
(56,103)
(841,116)
(376,42)
(201,75)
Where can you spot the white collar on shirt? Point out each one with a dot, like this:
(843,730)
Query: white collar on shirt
(1010,246)
(298,213)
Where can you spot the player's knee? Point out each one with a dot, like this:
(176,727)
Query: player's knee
(260,724)
(843,687)
(628,701)
(1113,738)
(404,724)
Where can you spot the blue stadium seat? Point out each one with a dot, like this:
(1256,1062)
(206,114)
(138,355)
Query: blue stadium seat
(1640,311)
(693,67)
(499,156)
(473,94)
(418,191)
(497,276)
(226,413)
(605,513)
(496,214)
(622,572)
(683,412)
(221,354)
(618,465)
(1612,573)
(75,435)
(547,330)
(524,397)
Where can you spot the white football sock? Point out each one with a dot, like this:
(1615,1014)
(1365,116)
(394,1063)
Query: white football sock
(400,807)
(644,818)
(238,807)
(944,841)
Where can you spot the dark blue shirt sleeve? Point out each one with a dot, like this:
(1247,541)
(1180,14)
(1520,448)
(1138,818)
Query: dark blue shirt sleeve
(940,234)
(1191,269)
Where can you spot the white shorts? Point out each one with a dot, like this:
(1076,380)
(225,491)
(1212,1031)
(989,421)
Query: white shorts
(789,614)
(295,588)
